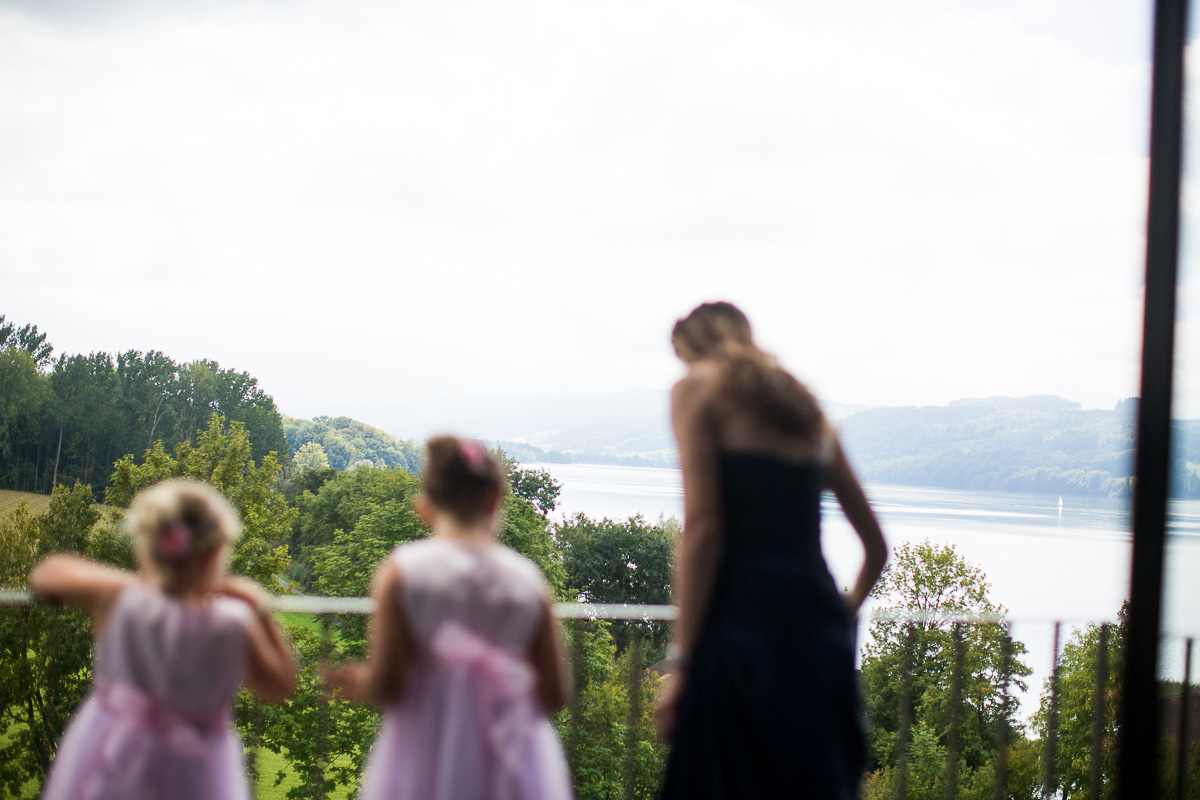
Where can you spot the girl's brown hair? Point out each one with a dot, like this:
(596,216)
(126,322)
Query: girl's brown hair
(461,477)
(721,331)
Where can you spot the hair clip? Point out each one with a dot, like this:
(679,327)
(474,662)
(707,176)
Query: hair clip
(171,541)
(473,454)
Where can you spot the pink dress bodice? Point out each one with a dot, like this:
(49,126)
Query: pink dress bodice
(188,657)
(488,589)
(157,723)
(469,725)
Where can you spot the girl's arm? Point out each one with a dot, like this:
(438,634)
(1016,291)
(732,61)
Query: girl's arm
(79,583)
(272,662)
(858,511)
(700,546)
(380,679)
(546,657)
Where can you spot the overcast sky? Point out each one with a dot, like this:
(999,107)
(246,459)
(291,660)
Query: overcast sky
(358,200)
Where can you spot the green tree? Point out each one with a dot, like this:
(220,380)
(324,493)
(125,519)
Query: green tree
(28,340)
(343,568)
(536,486)
(221,457)
(526,530)
(346,441)
(620,562)
(45,668)
(1077,673)
(935,583)
(337,501)
(324,742)
(311,456)
(24,392)
(608,728)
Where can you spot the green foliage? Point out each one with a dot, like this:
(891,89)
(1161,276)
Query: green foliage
(610,742)
(23,396)
(71,422)
(27,340)
(344,567)
(1076,697)
(527,531)
(620,562)
(310,456)
(347,442)
(331,512)
(45,669)
(537,486)
(323,743)
(222,458)
(937,582)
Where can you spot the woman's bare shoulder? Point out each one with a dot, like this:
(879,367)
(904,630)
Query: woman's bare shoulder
(702,382)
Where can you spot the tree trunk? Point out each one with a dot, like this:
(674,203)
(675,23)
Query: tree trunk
(57,453)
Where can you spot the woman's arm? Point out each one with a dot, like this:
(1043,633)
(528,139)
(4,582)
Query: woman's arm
(380,679)
(701,543)
(546,657)
(272,662)
(849,493)
(79,583)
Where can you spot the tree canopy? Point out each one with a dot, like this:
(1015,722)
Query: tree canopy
(934,583)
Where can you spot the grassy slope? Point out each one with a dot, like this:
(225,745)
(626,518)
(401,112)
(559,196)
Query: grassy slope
(9,500)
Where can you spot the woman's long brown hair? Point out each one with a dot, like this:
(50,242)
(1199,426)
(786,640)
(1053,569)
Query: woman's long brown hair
(721,331)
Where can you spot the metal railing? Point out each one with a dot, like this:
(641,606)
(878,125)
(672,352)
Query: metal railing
(577,617)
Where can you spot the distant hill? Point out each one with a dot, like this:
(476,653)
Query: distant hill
(1037,444)
(1041,444)
(347,442)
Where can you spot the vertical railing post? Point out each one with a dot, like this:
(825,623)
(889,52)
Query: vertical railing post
(1184,698)
(906,702)
(1099,715)
(52,616)
(321,750)
(576,703)
(1139,731)
(1002,724)
(1048,777)
(956,690)
(255,740)
(633,721)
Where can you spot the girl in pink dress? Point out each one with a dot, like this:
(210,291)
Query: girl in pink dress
(172,645)
(463,653)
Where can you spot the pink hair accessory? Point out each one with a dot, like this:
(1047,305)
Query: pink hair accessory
(171,541)
(473,453)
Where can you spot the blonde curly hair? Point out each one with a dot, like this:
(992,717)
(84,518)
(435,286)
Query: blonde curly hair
(174,521)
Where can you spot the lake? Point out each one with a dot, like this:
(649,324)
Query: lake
(1045,562)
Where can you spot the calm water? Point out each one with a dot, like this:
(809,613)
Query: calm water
(1044,562)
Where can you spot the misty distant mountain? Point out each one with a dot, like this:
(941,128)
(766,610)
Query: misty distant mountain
(1038,444)
(629,423)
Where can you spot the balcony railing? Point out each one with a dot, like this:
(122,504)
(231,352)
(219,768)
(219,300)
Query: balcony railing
(646,626)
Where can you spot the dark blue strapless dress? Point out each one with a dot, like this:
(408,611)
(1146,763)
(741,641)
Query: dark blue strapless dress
(771,706)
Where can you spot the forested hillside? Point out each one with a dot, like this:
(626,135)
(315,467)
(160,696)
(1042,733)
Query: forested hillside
(344,443)
(1031,444)
(70,418)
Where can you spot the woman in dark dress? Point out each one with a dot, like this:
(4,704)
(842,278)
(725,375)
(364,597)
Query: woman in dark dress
(762,701)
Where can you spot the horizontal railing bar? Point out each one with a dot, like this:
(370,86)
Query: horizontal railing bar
(309,604)
(628,611)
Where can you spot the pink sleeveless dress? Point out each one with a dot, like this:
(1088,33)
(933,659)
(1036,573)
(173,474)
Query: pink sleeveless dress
(156,725)
(469,725)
